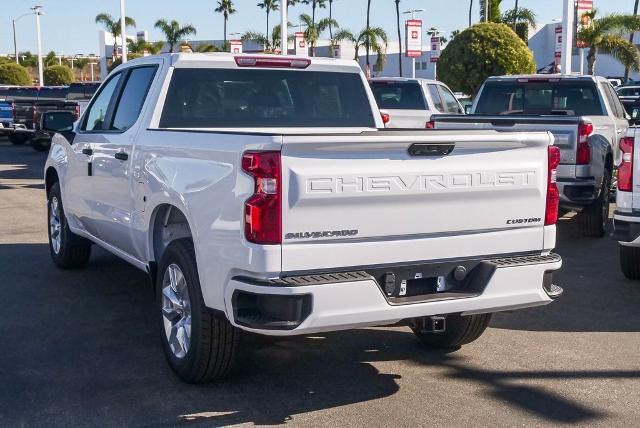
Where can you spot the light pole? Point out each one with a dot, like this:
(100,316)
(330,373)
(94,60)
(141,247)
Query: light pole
(123,34)
(413,59)
(92,64)
(567,35)
(284,28)
(37,10)
(15,43)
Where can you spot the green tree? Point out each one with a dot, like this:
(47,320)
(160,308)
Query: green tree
(58,75)
(315,4)
(373,37)
(142,46)
(270,44)
(14,74)
(113,26)
(604,35)
(268,6)
(494,10)
(173,32)
(51,59)
(331,17)
(520,19)
(315,29)
(226,8)
(480,51)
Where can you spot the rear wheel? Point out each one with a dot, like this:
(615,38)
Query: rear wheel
(67,249)
(630,261)
(200,346)
(459,331)
(18,138)
(593,219)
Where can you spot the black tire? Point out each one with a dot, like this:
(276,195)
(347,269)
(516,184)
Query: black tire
(213,344)
(630,261)
(459,331)
(18,138)
(592,221)
(73,250)
(41,144)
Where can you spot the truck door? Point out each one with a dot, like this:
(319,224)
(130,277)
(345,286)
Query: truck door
(112,161)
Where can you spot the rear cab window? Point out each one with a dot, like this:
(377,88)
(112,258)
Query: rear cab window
(435,97)
(48,93)
(540,97)
(265,98)
(392,95)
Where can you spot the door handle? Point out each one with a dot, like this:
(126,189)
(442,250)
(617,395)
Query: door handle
(121,156)
(87,152)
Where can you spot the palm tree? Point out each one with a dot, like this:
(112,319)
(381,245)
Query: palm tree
(494,10)
(399,36)
(373,37)
(331,17)
(173,32)
(626,69)
(142,46)
(470,10)
(113,26)
(604,35)
(268,6)
(314,30)
(226,8)
(367,46)
(315,4)
(269,44)
(521,19)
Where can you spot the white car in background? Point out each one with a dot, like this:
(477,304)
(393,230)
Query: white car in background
(409,103)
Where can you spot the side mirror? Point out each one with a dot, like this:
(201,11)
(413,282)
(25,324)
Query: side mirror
(58,121)
(467,109)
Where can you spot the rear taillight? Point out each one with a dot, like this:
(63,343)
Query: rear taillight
(263,210)
(625,169)
(553,195)
(430,125)
(77,111)
(583,154)
(385,118)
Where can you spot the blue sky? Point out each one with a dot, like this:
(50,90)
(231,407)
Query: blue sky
(68,25)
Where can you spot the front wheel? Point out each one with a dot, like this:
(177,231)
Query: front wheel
(67,249)
(459,331)
(18,138)
(630,261)
(199,345)
(593,219)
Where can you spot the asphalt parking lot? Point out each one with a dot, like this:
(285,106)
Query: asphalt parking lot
(80,348)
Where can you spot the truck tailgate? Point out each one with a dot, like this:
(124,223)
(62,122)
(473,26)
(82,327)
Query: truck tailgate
(398,196)
(564,129)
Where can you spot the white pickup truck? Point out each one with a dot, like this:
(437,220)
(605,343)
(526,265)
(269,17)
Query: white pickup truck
(626,217)
(261,194)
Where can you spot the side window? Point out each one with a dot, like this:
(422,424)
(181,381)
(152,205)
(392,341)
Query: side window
(132,98)
(435,97)
(450,103)
(611,99)
(94,119)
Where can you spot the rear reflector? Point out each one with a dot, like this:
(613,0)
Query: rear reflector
(385,118)
(625,169)
(583,153)
(275,62)
(553,195)
(430,125)
(263,210)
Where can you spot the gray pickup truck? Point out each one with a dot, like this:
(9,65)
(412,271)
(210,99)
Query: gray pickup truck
(586,119)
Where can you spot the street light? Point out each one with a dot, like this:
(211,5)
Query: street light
(37,10)
(15,44)
(413,59)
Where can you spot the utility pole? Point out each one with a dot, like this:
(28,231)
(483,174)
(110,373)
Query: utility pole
(37,10)
(567,35)
(284,28)
(123,33)
(15,43)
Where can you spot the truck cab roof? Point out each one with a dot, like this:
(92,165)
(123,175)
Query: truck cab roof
(547,77)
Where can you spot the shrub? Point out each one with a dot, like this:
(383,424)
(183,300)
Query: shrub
(484,50)
(58,75)
(14,74)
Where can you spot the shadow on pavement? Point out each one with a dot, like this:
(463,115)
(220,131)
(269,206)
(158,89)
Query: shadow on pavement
(80,346)
(597,297)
